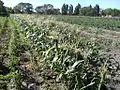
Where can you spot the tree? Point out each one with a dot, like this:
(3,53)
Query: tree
(90,6)
(56,11)
(1,6)
(71,9)
(96,10)
(77,9)
(102,13)
(47,9)
(16,10)
(89,11)
(64,9)
(113,12)
(3,11)
(116,12)
(9,10)
(24,8)
(40,9)
(107,11)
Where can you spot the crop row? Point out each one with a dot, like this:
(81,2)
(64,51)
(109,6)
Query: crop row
(10,72)
(105,38)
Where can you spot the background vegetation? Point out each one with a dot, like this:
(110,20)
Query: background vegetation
(66,9)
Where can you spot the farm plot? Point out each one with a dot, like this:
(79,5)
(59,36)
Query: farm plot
(106,23)
(12,48)
(40,53)
(79,61)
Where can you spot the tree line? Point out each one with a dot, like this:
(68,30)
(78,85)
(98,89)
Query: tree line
(66,9)
(88,11)
(3,10)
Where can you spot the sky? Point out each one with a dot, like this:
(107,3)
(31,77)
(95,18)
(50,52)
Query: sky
(58,3)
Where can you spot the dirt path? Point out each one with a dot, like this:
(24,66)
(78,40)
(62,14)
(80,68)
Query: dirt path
(4,56)
(4,42)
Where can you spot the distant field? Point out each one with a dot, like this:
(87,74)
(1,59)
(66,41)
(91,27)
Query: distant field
(100,22)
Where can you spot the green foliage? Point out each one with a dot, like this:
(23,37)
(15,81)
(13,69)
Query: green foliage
(23,8)
(75,68)
(47,9)
(64,9)
(77,9)
(3,11)
(106,23)
(113,12)
(9,10)
(71,9)
(96,10)
(87,11)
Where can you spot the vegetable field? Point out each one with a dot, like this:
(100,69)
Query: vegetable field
(106,23)
(59,53)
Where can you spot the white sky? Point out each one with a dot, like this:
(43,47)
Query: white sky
(59,3)
(12,3)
